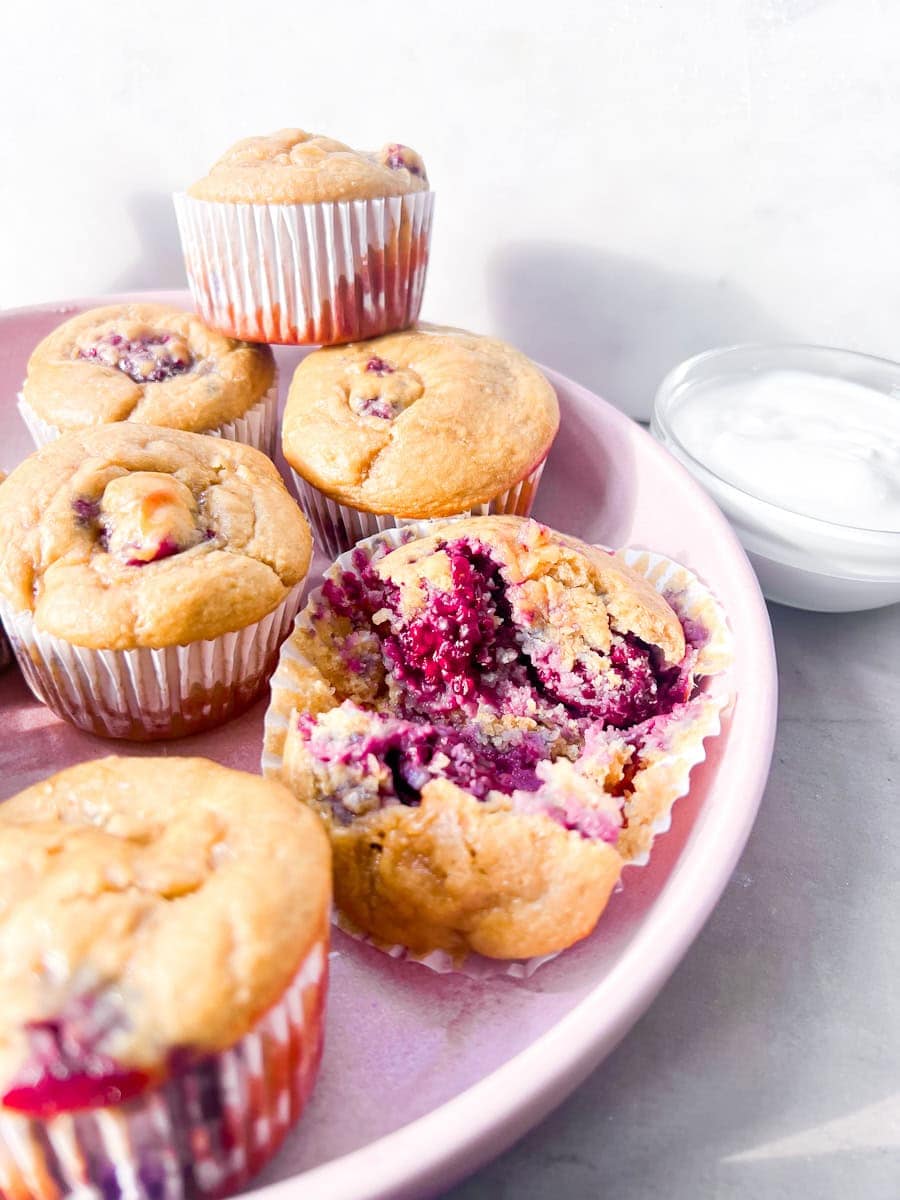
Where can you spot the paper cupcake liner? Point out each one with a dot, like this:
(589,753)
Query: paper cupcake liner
(203,1133)
(665,765)
(145,694)
(257,427)
(307,274)
(338,527)
(42,432)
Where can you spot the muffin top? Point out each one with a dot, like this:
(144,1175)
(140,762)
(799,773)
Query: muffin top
(133,535)
(423,423)
(147,363)
(146,908)
(295,167)
(493,684)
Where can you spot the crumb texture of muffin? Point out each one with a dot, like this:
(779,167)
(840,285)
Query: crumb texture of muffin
(295,167)
(423,423)
(489,719)
(150,915)
(147,363)
(136,536)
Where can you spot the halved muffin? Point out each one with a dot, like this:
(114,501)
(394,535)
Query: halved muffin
(492,720)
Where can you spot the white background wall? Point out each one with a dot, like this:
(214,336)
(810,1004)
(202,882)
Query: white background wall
(619,183)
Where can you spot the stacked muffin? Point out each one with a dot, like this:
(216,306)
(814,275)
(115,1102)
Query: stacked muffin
(489,719)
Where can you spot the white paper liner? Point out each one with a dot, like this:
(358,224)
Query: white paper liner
(691,600)
(307,274)
(202,1133)
(42,432)
(145,694)
(257,427)
(338,527)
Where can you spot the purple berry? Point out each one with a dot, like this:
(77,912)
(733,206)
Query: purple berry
(141,359)
(86,511)
(66,1068)
(166,548)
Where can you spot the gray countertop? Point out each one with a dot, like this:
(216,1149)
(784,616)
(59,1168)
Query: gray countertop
(769,1066)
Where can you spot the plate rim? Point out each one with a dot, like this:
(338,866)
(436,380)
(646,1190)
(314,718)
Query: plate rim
(482,1121)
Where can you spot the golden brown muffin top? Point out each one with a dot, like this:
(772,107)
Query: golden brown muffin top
(166,902)
(148,363)
(295,167)
(132,535)
(424,423)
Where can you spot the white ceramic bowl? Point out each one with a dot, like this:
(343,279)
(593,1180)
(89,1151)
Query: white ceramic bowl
(800,560)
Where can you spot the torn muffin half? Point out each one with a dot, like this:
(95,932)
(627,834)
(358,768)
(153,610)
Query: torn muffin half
(491,719)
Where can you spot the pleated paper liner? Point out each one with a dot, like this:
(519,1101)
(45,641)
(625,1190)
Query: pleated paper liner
(338,527)
(257,427)
(201,1134)
(146,694)
(667,759)
(307,274)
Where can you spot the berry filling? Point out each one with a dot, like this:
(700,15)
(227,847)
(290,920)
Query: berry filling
(461,644)
(377,406)
(634,688)
(382,390)
(148,358)
(396,157)
(86,511)
(66,1070)
(165,548)
(479,697)
(142,518)
(411,754)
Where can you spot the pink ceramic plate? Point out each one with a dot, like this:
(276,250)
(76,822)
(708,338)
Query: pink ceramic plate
(427,1076)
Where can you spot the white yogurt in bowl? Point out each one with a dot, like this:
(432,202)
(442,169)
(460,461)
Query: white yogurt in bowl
(800,447)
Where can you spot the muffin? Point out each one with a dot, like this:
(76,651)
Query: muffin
(492,720)
(152,364)
(428,423)
(148,577)
(163,969)
(296,238)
